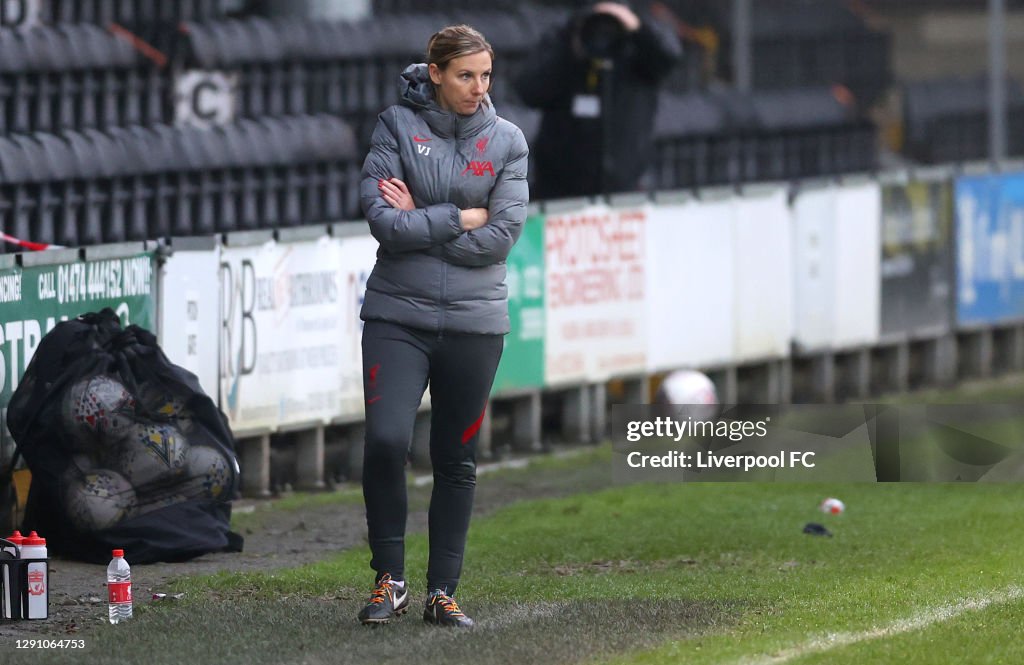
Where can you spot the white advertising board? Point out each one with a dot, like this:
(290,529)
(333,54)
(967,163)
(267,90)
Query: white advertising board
(690,285)
(837,281)
(281,333)
(595,268)
(356,258)
(858,260)
(764,276)
(189,314)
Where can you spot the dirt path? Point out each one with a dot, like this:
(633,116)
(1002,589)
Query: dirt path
(288,538)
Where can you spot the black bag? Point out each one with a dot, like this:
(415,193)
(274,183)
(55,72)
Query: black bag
(126,450)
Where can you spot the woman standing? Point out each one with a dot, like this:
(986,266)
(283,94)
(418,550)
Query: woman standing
(444,191)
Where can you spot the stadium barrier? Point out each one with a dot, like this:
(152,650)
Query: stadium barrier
(827,291)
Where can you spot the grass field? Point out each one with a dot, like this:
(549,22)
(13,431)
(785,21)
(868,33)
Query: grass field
(668,573)
(651,574)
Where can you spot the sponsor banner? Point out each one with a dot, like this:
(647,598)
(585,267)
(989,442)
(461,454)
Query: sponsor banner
(190,314)
(522,361)
(917,255)
(837,267)
(690,285)
(281,333)
(990,248)
(595,268)
(356,258)
(34,300)
(763,298)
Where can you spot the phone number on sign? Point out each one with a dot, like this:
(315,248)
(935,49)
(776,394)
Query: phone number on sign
(50,644)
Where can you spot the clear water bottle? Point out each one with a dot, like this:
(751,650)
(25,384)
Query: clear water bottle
(119,588)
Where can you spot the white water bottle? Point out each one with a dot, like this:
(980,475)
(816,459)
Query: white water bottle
(119,588)
(37,576)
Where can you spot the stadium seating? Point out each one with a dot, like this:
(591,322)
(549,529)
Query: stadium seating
(95,145)
(729,138)
(75,77)
(946,120)
(137,183)
(801,43)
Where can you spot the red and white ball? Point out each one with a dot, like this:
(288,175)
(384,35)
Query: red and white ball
(832,506)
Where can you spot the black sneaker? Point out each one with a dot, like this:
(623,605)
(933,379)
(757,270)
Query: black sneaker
(442,610)
(388,600)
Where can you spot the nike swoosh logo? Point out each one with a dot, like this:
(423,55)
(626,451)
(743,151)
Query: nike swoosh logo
(419,140)
(373,399)
(401,599)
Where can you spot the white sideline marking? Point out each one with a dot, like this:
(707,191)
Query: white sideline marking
(917,622)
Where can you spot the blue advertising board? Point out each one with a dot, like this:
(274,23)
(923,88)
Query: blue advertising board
(990,248)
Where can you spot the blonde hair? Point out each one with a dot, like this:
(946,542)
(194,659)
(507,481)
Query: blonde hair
(455,41)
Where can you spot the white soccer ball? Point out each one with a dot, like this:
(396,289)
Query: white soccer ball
(99,500)
(692,391)
(97,408)
(209,474)
(151,452)
(832,506)
(151,503)
(163,402)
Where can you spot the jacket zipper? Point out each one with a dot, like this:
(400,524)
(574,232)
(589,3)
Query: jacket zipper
(444,264)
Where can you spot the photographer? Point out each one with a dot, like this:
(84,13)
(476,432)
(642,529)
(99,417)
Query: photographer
(596,79)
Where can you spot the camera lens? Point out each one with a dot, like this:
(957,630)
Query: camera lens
(601,35)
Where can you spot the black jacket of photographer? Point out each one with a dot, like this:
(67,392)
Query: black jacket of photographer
(566,85)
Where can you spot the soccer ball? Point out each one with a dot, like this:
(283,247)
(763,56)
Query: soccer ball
(99,500)
(209,474)
(832,506)
(149,504)
(166,405)
(692,392)
(151,452)
(96,407)
(163,402)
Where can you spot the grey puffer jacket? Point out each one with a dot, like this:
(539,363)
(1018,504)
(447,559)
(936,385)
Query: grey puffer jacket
(430,274)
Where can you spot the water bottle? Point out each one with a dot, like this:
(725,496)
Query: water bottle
(119,588)
(37,576)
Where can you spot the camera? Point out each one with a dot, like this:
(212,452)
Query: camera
(600,35)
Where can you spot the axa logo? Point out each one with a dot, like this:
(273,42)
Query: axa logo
(479,168)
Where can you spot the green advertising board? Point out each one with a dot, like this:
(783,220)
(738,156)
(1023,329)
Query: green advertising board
(522,362)
(35,298)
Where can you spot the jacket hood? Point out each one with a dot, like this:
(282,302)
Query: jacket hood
(416,90)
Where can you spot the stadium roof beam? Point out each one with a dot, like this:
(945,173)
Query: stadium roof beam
(742,52)
(997,80)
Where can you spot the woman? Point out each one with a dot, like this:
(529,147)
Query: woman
(444,191)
